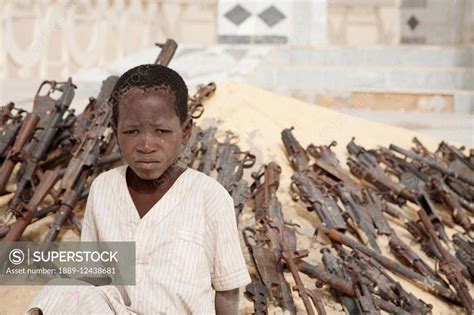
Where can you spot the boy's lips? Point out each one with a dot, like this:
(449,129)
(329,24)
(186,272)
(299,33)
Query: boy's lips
(147,165)
(147,161)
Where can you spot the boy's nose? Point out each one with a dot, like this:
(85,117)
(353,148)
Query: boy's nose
(147,144)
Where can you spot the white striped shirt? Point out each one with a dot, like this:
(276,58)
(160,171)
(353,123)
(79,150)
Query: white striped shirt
(187,245)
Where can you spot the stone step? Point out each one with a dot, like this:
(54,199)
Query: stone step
(381,55)
(459,101)
(451,127)
(319,78)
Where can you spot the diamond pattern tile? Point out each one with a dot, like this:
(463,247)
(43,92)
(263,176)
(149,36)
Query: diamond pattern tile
(413,22)
(237,15)
(271,16)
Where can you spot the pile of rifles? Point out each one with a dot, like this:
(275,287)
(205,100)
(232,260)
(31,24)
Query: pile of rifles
(420,191)
(53,152)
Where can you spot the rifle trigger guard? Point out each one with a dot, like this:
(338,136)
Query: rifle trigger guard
(197,112)
(249,160)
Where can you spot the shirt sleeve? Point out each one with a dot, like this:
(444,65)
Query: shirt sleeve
(89,232)
(229,270)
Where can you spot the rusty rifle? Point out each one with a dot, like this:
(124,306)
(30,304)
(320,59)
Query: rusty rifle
(16,153)
(85,158)
(421,281)
(17,228)
(208,151)
(168,49)
(297,155)
(9,126)
(324,205)
(432,163)
(449,266)
(51,113)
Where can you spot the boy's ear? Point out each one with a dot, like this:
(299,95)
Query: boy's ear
(187,130)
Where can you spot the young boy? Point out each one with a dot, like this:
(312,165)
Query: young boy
(188,254)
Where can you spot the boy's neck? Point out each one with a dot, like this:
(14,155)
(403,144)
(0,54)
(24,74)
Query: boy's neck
(163,182)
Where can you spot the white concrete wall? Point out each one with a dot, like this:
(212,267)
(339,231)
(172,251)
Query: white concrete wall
(55,38)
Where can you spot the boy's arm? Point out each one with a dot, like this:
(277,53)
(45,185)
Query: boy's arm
(229,270)
(227,302)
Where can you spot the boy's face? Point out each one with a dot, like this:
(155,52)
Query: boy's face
(149,132)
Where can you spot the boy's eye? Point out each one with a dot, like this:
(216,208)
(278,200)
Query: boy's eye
(131,132)
(161,131)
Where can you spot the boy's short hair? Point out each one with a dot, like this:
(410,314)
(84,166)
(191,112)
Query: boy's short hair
(149,77)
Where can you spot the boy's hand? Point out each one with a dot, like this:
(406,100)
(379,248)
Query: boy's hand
(227,302)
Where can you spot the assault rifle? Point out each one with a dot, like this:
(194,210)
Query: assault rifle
(334,268)
(454,156)
(387,287)
(281,239)
(257,293)
(412,176)
(365,303)
(230,164)
(167,52)
(419,234)
(208,151)
(189,151)
(349,191)
(363,207)
(73,183)
(83,122)
(50,112)
(9,127)
(419,280)
(16,152)
(195,106)
(374,206)
(449,265)
(6,113)
(85,158)
(240,194)
(432,163)
(345,286)
(318,200)
(452,204)
(305,294)
(297,155)
(410,258)
(364,228)
(465,252)
(364,165)
(269,271)
(195,110)
(17,228)
(325,159)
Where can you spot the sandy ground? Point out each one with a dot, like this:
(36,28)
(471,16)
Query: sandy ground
(258,117)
